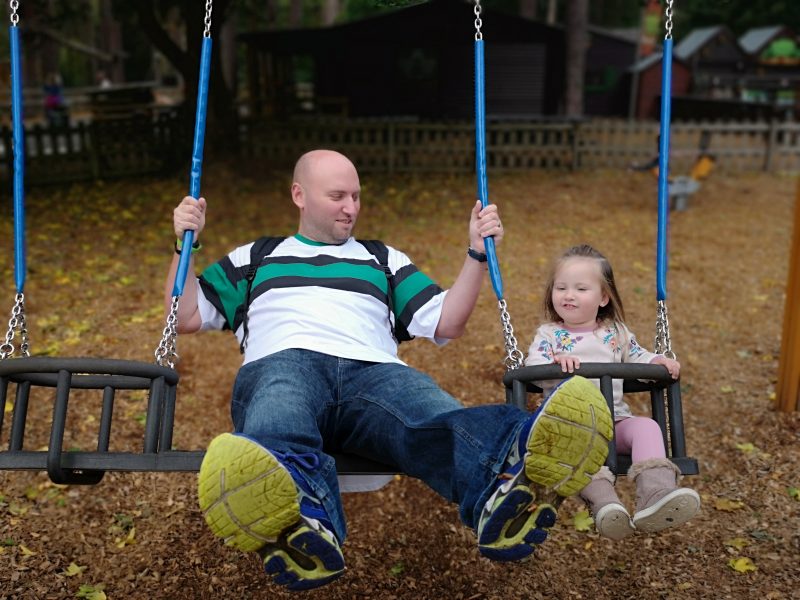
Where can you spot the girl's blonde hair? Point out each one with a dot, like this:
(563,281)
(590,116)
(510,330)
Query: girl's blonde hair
(612,313)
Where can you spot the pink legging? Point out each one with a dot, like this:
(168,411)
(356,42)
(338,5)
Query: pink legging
(640,437)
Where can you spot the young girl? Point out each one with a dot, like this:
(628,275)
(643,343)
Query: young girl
(587,323)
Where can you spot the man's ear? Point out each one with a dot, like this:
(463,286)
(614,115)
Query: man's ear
(298,195)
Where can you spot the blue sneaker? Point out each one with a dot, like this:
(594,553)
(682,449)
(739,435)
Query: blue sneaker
(557,451)
(256,501)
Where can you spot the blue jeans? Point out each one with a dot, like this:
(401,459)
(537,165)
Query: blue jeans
(303,401)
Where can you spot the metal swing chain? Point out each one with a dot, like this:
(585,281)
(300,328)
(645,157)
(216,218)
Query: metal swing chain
(167,352)
(668,25)
(16,323)
(663,343)
(13,6)
(514,357)
(207,20)
(478,22)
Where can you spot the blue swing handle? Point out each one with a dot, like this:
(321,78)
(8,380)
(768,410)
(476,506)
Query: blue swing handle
(480,164)
(197,160)
(19,159)
(663,174)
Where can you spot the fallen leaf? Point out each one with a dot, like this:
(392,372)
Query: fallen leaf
(26,551)
(727,504)
(127,540)
(737,543)
(91,592)
(793,493)
(73,570)
(583,521)
(747,447)
(742,565)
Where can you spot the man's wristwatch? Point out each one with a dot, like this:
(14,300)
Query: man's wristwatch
(479,256)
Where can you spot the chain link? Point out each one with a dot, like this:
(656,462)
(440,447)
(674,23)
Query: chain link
(16,323)
(478,22)
(663,343)
(14,7)
(513,359)
(669,13)
(207,20)
(167,352)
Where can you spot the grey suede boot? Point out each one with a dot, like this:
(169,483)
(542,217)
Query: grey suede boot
(610,517)
(660,503)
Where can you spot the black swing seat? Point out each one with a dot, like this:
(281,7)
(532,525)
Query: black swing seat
(665,401)
(106,377)
(109,376)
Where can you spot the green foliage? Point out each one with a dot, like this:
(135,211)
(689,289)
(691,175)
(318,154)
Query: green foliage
(739,15)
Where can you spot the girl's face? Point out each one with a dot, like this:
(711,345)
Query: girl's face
(578,292)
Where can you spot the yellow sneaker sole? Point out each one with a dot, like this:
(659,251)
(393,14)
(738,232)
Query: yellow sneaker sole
(247,497)
(568,442)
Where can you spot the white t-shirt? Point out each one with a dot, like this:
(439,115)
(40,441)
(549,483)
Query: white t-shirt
(327,298)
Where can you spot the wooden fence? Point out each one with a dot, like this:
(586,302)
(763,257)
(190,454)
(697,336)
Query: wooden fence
(396,146)
(154,145)
(106,149)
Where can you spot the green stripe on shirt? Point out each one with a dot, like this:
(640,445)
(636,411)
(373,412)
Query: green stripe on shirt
(340,270)
(408,288)
(231,296)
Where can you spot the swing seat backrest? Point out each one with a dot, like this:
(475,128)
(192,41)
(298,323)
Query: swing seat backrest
(665,402)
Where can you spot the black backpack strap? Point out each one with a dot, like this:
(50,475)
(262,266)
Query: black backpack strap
(260,250)
(379,250)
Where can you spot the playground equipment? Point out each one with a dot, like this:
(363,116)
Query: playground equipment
(108,376)
(787,395)
(680,187)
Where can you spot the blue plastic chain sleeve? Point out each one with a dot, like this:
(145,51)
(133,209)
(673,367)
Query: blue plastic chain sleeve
(197,160)
(480,165)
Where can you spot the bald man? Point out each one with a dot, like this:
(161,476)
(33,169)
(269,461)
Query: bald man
(318,322)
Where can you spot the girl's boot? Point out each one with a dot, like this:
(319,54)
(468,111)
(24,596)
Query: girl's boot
(660,503)
(610,517)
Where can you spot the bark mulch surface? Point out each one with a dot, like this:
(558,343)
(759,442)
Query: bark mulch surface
(97,256)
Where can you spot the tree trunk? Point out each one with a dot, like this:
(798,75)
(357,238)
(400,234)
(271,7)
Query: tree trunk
(552,11)
(577,23)
(296,13)
(111,42)
(221,116)
(330,11)
(528,9)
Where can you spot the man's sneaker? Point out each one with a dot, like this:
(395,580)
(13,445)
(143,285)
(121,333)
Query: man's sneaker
(256,501)
(557,451)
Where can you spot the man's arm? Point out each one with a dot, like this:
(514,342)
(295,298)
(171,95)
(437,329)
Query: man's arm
(190,214)
(463,295)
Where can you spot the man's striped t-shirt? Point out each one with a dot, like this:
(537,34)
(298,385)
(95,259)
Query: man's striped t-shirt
(327,298)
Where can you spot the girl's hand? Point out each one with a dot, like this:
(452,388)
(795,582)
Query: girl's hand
(568,362)
(672,365)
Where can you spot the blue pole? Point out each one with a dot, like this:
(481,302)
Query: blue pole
(663,172)
(19,159)
(197,159)
(480,164)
